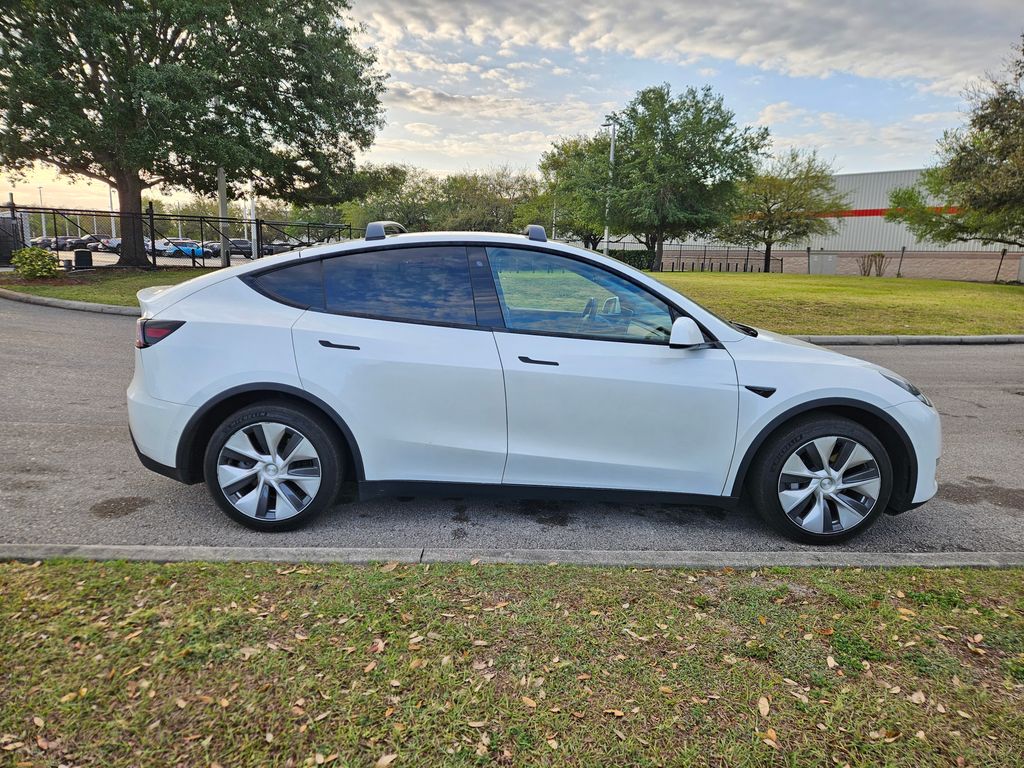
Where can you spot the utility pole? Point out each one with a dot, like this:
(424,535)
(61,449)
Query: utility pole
(42,216)
(113,225)
(611,170)
(222,203)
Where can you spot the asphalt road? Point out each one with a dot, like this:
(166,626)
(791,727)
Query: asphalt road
(68,474)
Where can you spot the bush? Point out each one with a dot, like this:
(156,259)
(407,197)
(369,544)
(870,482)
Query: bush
(35,263)
(636,259)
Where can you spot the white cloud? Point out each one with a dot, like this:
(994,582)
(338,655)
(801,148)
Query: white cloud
(707,71)
(941,46)
(778,113)
(422,129)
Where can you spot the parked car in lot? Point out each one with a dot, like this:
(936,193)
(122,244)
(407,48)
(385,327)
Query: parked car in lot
(236,246)
(41,242)
(461,363)
(81,241)
(178,247)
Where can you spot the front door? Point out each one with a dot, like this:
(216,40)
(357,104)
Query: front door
(595,396)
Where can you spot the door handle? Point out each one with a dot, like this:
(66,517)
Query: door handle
(525,359)
(332,345)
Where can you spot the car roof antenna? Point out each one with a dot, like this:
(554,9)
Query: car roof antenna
(536,232)
(377,230)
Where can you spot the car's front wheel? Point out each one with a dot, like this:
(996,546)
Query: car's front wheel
(273,466)
(822,479)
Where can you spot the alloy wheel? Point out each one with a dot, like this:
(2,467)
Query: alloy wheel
(829,485)
(269,471)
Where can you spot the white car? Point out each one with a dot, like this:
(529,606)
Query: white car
(460,363)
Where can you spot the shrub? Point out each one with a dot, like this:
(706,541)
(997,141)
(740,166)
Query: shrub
(636,259)
(35,263)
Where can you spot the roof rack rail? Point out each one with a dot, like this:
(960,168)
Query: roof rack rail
(377,230)
(536,232)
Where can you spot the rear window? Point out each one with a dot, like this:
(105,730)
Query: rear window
(300,285)
(429,284)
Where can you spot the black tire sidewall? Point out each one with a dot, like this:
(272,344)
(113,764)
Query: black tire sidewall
(309,424)
(765,478)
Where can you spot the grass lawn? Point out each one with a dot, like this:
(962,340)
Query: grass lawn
(124,664)
(103,286)
(796,304)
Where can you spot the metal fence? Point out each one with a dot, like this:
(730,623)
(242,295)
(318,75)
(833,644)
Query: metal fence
(169,238)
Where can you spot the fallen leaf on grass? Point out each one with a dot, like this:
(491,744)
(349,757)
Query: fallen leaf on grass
(965,715)
(763,706)
(917,697)
(377,646)
(384,761)
(38,721)
(248,652)
(477,723)
(615,712)
(529,702)
(390,566)
(664,689)
(370,667)
(831,663)
(553,743)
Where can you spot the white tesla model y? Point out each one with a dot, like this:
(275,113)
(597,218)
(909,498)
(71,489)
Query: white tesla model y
(468,363)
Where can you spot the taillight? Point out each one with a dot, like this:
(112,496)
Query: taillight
(149,332)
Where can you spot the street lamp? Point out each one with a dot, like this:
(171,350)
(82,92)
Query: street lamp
(110,196)
(42,216)
(610,123)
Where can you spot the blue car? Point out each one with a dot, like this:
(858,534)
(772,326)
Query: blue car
(180,248)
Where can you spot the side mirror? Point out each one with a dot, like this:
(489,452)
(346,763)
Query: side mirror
(685,334)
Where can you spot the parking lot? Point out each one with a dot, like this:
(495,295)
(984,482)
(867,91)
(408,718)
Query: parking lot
(69,474)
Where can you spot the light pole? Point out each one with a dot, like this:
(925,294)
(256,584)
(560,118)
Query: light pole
(610,123)
(42,216)
(110,196)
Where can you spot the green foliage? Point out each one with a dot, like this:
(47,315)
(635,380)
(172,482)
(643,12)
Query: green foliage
(472,201)
(150,92)
(638,259)
(35,263)
(786,202)
(575,181)
(976,192)
(679,161)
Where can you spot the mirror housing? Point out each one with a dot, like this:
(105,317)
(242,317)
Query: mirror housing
(686,334)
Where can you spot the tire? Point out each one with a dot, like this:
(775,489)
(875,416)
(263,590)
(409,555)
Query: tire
(826,504)
(273,467)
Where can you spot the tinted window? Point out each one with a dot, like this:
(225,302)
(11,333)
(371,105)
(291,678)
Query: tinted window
(299,284)
(419,284)
(554,294)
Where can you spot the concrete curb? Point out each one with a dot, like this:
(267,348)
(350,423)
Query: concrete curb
(892,341)
(831,558)
(113,309)
(81,306)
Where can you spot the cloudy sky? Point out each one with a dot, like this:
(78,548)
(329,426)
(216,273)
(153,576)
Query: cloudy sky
(870,84)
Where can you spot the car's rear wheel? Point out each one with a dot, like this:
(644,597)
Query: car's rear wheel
(822,479)
(273,466)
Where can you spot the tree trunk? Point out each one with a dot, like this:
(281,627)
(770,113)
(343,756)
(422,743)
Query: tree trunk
(768,257)
(129,193)
(655,243)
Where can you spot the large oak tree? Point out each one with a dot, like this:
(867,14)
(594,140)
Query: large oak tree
(976,191)
(136,93)
(679,160)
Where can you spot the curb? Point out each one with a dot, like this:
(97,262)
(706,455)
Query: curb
(81,306)
(710,560)
(838,341)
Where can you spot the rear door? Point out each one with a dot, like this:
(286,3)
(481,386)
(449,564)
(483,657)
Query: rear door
(595,396)
(393,346)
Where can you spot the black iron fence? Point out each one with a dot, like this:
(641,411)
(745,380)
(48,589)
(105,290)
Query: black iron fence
(168,238)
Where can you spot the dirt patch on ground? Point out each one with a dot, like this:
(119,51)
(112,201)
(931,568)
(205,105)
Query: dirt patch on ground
(119,506)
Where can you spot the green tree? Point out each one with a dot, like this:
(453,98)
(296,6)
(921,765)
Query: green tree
(574,176)
(679,160)
(976,191)
(486,201)
(411,197)
(789,199)
(137,93)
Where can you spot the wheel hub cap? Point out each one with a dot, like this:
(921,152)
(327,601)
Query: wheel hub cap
(269,471)
(829,485)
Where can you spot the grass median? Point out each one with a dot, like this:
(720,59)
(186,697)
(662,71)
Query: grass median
(795,304)
(122,664)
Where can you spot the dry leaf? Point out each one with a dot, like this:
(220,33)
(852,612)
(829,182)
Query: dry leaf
(763,706)
(385,760)
(477,723)
(370,667)
(831,663)
(553,743)
(390,566)
(181,703)
(917,697)
(377,646)
(38,721)
(965,715)
(268,736)
(475,561)
(763,620)
(529,702)
(664,689)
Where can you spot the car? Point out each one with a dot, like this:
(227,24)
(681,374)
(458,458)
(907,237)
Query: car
(180,247)
(81,241)
(474,363)
(41,242)
(236,247)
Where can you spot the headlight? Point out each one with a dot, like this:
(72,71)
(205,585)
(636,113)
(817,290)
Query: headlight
(903,384)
